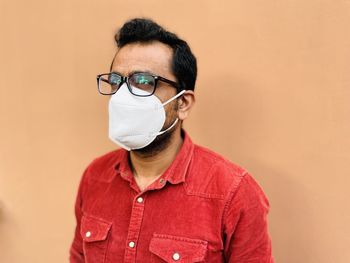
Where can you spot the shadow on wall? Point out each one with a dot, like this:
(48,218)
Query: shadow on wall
(7,235)
(232,111)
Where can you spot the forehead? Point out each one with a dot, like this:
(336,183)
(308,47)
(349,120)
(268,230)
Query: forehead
(154,57)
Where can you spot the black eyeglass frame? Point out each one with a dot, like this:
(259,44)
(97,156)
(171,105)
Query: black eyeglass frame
(125,79)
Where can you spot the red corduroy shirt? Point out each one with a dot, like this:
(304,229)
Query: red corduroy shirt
(203,208)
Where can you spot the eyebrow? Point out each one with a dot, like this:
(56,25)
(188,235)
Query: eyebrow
(136,71)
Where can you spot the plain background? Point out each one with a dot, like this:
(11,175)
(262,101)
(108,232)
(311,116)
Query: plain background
(272,96)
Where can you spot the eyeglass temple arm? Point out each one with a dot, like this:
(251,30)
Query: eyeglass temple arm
(169,82)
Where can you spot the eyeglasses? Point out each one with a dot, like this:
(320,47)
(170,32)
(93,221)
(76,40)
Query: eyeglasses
(139,84)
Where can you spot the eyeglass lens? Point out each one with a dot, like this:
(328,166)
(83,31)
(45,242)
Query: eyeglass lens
(109,83)
(140,84)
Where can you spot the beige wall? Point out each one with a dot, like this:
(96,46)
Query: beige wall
(273,95)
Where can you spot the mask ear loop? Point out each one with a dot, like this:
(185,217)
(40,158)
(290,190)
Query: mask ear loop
(177,119)
(169,128)
(175,97)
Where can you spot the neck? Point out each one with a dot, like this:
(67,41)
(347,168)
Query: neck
(152,166)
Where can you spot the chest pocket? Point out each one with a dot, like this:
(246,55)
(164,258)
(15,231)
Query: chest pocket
(94,233)
(178,249)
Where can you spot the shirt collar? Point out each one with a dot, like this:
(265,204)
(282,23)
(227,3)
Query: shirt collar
(176,172)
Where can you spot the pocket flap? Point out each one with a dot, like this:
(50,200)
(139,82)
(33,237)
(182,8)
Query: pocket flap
(94,229)
(178,249)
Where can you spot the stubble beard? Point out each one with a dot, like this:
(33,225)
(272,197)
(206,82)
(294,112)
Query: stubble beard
(161,142)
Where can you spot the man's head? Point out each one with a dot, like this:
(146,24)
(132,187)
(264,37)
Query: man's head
(145,31)
(144,46)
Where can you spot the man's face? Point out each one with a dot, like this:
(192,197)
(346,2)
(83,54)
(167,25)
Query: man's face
(154,57)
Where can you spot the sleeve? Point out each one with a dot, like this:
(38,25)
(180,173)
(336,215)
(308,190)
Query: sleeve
(76,254)
(246,237)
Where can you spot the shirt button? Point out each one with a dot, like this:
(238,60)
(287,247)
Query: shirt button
(161,181)
(176,256)
(131,244)
(140,200)
(88,234)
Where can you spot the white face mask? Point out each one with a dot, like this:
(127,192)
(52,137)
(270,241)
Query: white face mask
(134,122)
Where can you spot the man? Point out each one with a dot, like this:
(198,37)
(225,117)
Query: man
(162,198)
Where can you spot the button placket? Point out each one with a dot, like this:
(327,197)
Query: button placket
(134,228)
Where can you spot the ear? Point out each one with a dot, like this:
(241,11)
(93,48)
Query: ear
(185,104)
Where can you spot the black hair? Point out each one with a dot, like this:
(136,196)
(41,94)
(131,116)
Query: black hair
(184,63)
